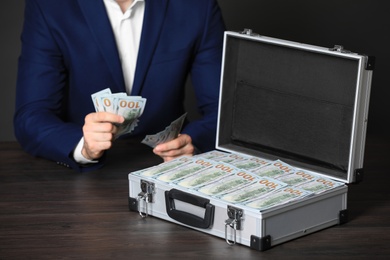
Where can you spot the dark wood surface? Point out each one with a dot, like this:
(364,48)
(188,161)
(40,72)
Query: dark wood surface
(50,212)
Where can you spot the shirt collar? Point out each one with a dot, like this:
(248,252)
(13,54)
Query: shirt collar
(134,2)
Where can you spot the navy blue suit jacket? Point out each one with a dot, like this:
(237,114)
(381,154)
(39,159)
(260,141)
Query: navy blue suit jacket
(69,52)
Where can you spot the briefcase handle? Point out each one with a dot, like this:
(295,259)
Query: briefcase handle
(185,217)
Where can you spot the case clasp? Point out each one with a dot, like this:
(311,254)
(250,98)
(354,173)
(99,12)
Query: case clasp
(234,222)
(146,194)
(339,48)
(249,32)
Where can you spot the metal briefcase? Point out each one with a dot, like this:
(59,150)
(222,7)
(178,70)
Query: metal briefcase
(283,104)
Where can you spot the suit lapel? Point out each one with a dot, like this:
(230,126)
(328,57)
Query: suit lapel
(97,19)
(153,20)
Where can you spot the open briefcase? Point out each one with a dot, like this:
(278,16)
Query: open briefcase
(291,135)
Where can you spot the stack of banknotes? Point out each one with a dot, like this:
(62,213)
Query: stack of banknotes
(240,179)
(131,108)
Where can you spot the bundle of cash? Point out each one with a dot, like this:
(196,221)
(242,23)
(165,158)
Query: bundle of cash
(206,176)
(228,184)
(320,185)
(260,188)
(230,158)
(277,198)
(188,169)
(241,179)
(164,167)
(171,132)
(250,163)
(130,107)
(212,155)
(275,169)
(297,178)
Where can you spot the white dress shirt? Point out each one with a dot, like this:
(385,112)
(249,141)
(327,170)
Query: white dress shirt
(127,29)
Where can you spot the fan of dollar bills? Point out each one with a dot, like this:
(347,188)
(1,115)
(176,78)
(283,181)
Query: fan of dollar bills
(131,108)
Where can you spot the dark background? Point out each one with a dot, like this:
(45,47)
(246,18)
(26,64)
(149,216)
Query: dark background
(361,26)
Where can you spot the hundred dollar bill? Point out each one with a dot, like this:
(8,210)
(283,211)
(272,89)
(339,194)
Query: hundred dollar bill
(257,189)
(109,102)
(208,175)
(164,167)
(275,169)
(211,155)
(277,198)
(320,185)
(230,158)
(250,163)
(186,170)
(229,184)
(96,99)
(241,161)
(171,132)
(131,108)
(297,178)
(153,140)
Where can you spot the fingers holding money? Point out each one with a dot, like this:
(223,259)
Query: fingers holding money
(182,145)
(99,132)
(129,107)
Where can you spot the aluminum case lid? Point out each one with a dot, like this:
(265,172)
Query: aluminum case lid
(303,104)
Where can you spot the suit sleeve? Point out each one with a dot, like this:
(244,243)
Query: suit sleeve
(40,115)
(205,76)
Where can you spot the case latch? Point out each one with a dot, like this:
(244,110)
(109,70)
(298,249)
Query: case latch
(234,222)
(146,194)
(249,32)
(339,48)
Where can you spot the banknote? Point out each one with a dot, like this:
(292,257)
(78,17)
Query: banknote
(257,189)
(131,108)
(186,170)
(320,185)
(203,177)
(298,177)
(96,99)
(230,158)
(229,183)
(164,167)
(241,161)
(109,102)
(279,197)
(212,155)
(250,163)
(275,169)
(169,133)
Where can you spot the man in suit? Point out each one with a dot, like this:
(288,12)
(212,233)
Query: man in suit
(74,48)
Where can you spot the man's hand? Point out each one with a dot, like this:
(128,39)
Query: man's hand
(99,133)
(182,145)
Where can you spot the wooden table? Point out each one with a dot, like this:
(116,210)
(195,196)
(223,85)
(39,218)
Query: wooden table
(50,212)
